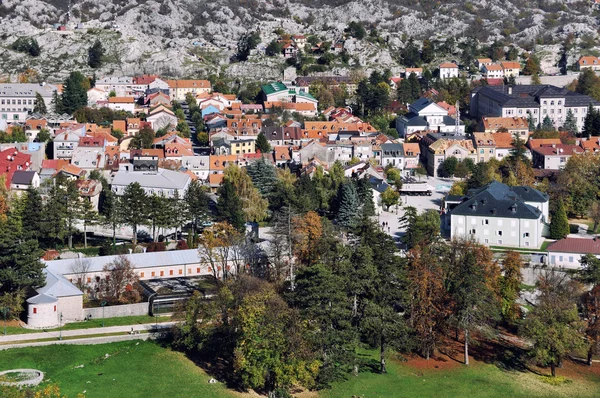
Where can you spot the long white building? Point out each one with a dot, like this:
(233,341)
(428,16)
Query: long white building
(17,100)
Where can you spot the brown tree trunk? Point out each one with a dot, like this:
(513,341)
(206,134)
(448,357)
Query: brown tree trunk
(382,355)
(553,369)
(85,235)
(466,347)
(589,357)
(134,235)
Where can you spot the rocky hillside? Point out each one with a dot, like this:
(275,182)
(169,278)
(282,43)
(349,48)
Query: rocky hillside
(197,37)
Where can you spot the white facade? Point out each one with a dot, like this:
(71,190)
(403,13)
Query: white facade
(448,72)
(525,233)
(17,100)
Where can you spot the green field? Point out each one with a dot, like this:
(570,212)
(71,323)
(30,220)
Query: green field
(132,369)
(145,369)
(93,323)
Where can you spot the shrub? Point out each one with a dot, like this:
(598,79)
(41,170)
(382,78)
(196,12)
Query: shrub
(156,247)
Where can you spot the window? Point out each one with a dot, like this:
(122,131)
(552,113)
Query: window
(141,274)
(563,160)
(560,258)
(527,244)
(89,280)
(153,273)
(180,272)
(551,102)
(486,241)
(197,270)
(570,259)
(54,308)
(545,102)
(499,233)
(171,272)
(499,241)
(162,273)
(189,270)
(486,222)
(34,310)
(526,235)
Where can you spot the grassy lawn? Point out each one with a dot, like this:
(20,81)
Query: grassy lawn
(93,323)
(452,379)
(132,369)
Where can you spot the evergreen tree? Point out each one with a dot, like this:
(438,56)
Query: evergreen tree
(133,207)
(410,54)
(531,122)
(57,103)
(74,93)
(40,104)
(365,197)
(30,214)
(229,206)
(427,51)
(262,143)
(88,215)
(159,214)
(591,123)
(263,176)
(570,124)
(415,86)
(95,55)
(110,211)
(347,205)
(197,202)
(405,92)
(559,224)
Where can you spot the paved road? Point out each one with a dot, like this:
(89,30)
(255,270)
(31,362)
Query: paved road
(54,334)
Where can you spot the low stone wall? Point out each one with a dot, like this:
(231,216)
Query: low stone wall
(114,311)
(35,377)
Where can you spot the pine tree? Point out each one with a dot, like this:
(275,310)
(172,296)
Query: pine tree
(263,176)
(531,122)
(570,124)
(95,54)
(229,206)
(134,207)
(74,93)
(590,122)
(347,205)
(88,215)
(197,202)
(40,104)
(365,196)
(30,215)
(262,144)
(547,124)
(559,225)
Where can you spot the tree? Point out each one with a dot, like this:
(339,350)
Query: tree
(410,54)
(590,270)
(271,351)
(570,124)
(547,124)
(80,269)
(247,42)
(262,144)
(26,45)
(274,48)
(592,313)
(553,326)
(427,51)
(320,296)
(448,167)
(159,214)
(144,139)
(95,55)
(473,288)
(133,207)
(30,214)
(40,104)
(217,247)
(307,231)
(559,224)
(588,83)
(356,30)
(594,214)
(263,176)
(110,211)
(390,197)
(197,202)
(43,136)
(427,296)
(74,94)
(347,205)
(253,205)
(119,284)
(532,66)
(229,206)
(88,215)
(510,286)
(365,196)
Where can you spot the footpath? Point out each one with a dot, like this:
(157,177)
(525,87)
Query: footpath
(100,335)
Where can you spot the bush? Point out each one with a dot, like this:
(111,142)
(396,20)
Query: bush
(26,45)
(156,247)
(181,245)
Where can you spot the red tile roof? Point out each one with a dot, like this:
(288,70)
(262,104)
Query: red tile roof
(575,245)
(12,160)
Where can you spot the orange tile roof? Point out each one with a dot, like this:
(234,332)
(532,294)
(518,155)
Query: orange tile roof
(495,123)
(412,147)
(281,153)
(493,67)
(158,153)
(189,84)
(503,140)
(71,169)
(219,162)
(539,142)
(120,125)
(448,65)
(510,65)
(35,124)
(174,149)
(588,60)
(121,100)
(216,179)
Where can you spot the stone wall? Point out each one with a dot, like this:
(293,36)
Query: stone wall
(114,311)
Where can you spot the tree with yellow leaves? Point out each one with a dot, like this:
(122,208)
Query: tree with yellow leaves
(253,204)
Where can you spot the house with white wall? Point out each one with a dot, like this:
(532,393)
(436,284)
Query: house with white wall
(567,252)
(448,70)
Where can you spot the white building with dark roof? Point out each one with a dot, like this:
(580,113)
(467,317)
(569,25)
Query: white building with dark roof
(17,100)
(539,100)
(426,115)
(153,180)
(497,214)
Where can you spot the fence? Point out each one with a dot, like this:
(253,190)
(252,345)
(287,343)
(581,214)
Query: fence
(115,311)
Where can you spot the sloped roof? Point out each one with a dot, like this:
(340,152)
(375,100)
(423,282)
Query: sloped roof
(575,245)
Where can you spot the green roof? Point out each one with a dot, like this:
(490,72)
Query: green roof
(274,87)
(306,95)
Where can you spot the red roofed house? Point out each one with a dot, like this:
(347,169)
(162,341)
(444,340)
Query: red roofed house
(553,156)
(567,253)
(589,62)
(448,70)
(12,160)
(126,104)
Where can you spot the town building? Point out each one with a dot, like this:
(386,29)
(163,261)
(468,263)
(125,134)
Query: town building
(567,252)
(588,62)
(538,100)
(426,115)
(152,179)
(179,88)
(448,70)
(17,100)
(437,147)
(497,214)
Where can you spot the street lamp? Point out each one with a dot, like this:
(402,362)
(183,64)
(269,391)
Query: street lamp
(103,304)
(60,326)
(4,311)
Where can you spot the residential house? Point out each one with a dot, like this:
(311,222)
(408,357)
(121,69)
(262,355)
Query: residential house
(417,71)
(162,117)
(22,180)
(493,71)
(299,41)
(497,214)
(89,157)
(289,50)
(218,163)
(152,179)
(513,125)
(179,88)
(96,95)
(412,155)
(303,83)
(588,62)
(485,146)
(134,124)
(437,147)
(156,99)
(448,70)
(199,165)
(126,104)
(122,86)
(511,68)
(90,190)
(426,115)
(482,62)
(567,253)
(538,100)
(281,156)
(395,82)
(37,151)
(65,142)
(392,154)
(504,145)
(553,156)
(280,136)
